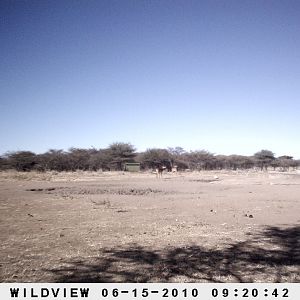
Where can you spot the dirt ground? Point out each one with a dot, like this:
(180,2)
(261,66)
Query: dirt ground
(133,227)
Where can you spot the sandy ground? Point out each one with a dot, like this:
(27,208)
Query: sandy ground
(122,227)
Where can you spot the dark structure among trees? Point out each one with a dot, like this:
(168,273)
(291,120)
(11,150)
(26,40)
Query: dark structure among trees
(132,167)
(118,156)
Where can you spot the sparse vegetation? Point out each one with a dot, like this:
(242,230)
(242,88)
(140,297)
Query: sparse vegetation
(208,226)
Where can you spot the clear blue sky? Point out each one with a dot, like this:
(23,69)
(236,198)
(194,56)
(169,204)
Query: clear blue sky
(217,75)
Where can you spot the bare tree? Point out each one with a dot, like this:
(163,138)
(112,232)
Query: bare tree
(55,160)
(285,162)
(21,160)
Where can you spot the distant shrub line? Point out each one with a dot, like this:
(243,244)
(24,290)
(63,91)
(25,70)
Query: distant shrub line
(116,155)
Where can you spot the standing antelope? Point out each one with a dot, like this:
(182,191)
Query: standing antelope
(159,171)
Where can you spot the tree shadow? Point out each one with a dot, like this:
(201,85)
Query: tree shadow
(270,256)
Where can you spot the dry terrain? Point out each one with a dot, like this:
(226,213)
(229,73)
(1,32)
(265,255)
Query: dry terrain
(129,227)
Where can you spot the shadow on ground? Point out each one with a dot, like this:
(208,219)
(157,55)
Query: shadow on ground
(271,256)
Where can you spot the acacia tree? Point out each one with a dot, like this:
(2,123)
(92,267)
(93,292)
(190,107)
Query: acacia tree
(79,158)
(177,151)
(221,162)
(55,160)
(3,163)
(285,162)
(154,157)
(100,159)
(119,154)
(91,161)
(178,157)
(21,160)
(239,162)
(264,158)
(296,164)
(201,160)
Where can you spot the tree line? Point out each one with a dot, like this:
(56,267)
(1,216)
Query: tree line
(116,155)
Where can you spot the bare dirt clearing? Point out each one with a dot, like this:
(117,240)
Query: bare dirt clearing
(122,227)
